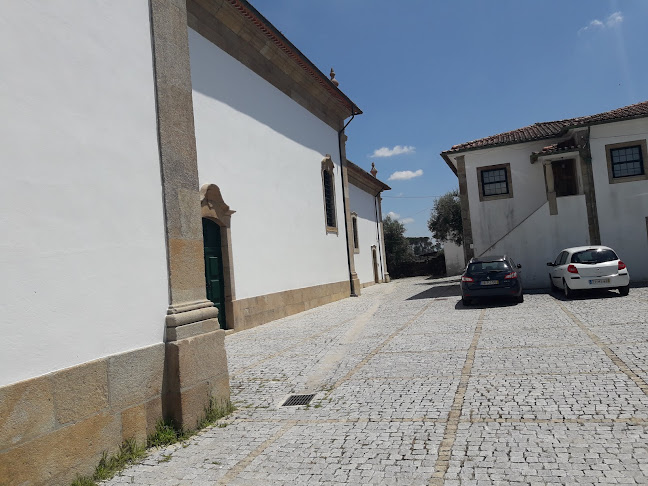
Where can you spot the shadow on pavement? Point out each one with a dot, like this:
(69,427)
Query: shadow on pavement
(445,289)
(487,303)
(587,295)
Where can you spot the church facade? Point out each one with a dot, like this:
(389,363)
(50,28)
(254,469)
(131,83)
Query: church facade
(171,172)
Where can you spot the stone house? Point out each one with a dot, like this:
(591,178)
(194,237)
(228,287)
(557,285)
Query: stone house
(172,170)
(533,191)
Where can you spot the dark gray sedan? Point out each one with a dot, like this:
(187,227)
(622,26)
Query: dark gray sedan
(491,276)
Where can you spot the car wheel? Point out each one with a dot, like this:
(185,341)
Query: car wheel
(569,293)
(552,285)
(624,290)
(519,299)
(465,301)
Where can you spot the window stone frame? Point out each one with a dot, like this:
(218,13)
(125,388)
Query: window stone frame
(509,181)
(355,232)
(644,156)
(328,166)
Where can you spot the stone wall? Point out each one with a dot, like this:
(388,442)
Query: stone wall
(265,308)
(57,426)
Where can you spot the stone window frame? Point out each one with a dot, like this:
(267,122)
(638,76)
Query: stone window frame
(509,182)
(328,168)
(354,226)
(644,156)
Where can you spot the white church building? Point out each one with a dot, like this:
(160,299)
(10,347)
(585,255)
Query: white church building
(534,191)
(171,172)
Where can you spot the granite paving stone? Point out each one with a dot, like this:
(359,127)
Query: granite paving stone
(413,388)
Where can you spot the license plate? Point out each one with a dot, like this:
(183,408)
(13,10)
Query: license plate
(595,281)
(490,282)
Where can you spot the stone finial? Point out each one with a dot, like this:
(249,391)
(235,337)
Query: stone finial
(373,169)
(333,80)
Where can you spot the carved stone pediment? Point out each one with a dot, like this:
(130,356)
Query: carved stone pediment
(213,206)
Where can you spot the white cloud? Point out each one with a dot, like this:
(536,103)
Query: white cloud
(613,20)
(404,175)
(397,150)
(393,215)
(406,220)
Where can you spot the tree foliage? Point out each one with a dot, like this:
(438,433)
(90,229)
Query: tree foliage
(422,245)
(445,218)
(396,245)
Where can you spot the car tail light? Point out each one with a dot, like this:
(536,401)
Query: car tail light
(467,279)
(621,265)
(511,275)
(572,269)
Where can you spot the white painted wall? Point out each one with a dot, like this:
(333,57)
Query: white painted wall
(622,207)
(363,204)
(264,151)
(82,252)
(541,237)
(493,219)
(454,258)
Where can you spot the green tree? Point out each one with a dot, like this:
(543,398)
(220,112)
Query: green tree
(445,218)
(396,245)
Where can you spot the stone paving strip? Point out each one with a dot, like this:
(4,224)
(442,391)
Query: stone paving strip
(413,388)
(450,433)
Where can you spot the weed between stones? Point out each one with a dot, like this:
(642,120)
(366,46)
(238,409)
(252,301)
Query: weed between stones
(166,433)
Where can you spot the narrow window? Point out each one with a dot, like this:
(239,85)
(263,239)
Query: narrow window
(494,182)
(354,223)
(627,161)
(328,185)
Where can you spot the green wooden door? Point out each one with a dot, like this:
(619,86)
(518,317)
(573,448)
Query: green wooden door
(214,267)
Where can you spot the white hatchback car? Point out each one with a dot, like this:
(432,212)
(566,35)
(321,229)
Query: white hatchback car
(588,267)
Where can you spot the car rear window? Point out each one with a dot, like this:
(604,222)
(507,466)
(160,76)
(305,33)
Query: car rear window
(479,267)
(594,256)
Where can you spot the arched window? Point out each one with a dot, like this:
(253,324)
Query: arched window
(328,185)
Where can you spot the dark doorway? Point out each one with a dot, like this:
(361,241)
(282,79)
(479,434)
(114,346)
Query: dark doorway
(214,267)
(565,180)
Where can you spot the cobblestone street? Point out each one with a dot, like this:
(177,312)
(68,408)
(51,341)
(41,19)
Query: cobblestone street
(413,388)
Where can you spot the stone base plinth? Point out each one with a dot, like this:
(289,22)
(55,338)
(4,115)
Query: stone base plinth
(195,373)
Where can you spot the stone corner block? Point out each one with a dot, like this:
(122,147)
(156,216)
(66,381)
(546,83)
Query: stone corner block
(196,371)
(195,360)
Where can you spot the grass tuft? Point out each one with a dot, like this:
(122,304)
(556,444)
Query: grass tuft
(129,453)
(166,433)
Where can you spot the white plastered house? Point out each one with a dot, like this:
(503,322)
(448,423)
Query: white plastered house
(170,170)
(533,191)
(366,225)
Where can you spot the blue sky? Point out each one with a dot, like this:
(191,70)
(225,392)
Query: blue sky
(429,74)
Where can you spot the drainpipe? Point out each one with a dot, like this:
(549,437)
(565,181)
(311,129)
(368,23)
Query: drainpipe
(382,272)
(346,232)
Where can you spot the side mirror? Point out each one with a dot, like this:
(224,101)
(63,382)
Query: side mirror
(519,266)
(550,264)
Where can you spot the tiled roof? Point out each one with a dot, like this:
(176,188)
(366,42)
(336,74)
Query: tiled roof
(568,145)
(552,129)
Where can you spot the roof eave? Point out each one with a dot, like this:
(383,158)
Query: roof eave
(449,162)
(355,110)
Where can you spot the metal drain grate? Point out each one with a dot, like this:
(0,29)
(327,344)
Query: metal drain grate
(294,400)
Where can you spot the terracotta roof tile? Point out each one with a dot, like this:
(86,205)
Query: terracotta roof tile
(551,129)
